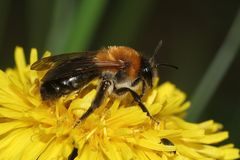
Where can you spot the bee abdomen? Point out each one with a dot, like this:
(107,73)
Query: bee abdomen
(50,90)
(56,88)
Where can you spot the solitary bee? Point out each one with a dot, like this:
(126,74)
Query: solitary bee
(121,70)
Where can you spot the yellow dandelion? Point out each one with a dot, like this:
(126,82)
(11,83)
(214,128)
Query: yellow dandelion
(31,129)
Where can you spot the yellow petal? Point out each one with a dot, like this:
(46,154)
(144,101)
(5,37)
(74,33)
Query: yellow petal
(46,54)
(114,106)
(189,152)
(210,151)
(33,56)
(8,126)
(127,117)
(17,145)
(58,149)
(151,97)
(35,148)
(9,113)
(210,126)
(181,123)
(111,151)
(126,151)
(20,63)
(89,153)
(214,138)
(80,105)
(231,153)
(153,145)
(140,154)
(152,155)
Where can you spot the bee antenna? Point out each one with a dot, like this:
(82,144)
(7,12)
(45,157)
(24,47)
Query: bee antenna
(159,45)
(166,65)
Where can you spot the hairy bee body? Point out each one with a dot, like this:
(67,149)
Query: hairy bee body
(120,69)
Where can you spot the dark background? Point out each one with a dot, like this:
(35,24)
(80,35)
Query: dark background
(192,33)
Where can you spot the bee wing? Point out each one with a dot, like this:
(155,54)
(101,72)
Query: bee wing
(48,62)
(80,66)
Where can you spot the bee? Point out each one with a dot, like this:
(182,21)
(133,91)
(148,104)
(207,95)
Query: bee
(120,69)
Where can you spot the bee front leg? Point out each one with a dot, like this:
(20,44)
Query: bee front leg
(136,98)
(97,101)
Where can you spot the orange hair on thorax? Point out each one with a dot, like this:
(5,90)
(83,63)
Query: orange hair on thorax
(122,54)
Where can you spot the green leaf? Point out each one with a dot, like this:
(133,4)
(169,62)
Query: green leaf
(86,19)
(216,71)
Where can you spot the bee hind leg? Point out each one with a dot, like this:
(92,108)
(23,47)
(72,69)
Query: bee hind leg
(136,98)
(97,101)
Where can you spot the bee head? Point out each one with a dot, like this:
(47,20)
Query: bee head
(147,72)
(148,68)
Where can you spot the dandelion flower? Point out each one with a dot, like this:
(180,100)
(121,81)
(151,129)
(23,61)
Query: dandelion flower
(33,129)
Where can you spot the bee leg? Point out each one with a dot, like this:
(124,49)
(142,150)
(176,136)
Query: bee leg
(74,154)
(136,82)
(97,101)
(136,98)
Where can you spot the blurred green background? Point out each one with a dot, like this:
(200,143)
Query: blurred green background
(200,37)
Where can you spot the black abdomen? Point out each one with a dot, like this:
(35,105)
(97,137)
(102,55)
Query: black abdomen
(56,88)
